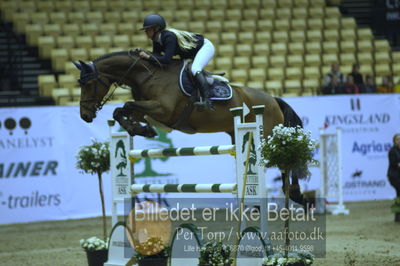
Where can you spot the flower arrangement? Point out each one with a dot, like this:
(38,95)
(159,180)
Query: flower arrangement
(154,246)
(94,243)
(396,205)
(153,250)
(300,257)
(95,159)
(215,253)
(289,148)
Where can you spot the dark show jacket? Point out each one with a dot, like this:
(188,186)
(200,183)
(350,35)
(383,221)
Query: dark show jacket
(394,159)
(170,47)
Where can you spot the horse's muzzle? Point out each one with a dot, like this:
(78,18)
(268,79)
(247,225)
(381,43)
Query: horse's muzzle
(88,113)
(88,118)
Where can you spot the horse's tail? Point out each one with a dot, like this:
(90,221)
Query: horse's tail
(291,119)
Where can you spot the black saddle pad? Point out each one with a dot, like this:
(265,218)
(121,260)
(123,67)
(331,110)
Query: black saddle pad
(220,91)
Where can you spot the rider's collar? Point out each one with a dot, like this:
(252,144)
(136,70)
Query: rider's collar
(159,38)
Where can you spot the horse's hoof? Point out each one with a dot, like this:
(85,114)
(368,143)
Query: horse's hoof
(150,132)
(129,128)
(131,132)
(295,194)
(309,204)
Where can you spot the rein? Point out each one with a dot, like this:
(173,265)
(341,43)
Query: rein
(96,75)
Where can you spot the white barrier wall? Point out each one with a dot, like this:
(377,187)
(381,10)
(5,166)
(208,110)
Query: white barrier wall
(39,181)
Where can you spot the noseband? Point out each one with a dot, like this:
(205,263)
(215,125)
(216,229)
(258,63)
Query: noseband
(95,75)
(86,78)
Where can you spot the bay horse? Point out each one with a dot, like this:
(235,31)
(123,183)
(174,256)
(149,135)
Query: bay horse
(157,95)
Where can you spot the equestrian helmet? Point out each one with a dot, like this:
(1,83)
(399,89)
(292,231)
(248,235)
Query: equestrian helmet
(154,20)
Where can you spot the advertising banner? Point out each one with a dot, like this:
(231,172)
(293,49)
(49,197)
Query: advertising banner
(38,147)
(368,123)
(38,178)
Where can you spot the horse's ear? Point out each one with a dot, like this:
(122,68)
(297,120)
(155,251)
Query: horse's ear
(85,66)
(78,65)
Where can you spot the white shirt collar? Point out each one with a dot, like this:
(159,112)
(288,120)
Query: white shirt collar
(159,39)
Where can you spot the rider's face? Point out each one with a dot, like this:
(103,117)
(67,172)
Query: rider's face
(151,33)
(397,140)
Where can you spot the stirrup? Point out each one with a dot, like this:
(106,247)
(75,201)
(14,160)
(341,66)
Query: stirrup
(207,104)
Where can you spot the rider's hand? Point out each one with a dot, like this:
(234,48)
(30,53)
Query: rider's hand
(144,55)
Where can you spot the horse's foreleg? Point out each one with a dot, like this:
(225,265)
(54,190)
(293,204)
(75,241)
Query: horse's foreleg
(127,121)
(152,108)
(159,114)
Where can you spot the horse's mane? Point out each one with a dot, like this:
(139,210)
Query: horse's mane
(128,53)
(111,55)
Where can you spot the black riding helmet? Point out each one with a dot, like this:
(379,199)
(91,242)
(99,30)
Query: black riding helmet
(154,20)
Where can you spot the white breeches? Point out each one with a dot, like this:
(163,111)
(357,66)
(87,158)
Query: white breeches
(203,56)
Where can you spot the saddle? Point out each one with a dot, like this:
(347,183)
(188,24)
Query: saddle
(220,90)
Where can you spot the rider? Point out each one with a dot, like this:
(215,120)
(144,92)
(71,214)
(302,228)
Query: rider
(172,42)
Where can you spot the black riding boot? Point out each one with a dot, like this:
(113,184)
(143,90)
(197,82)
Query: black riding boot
(204,91)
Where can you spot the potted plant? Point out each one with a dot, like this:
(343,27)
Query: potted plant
(215,253)
(95,159)
(288,148)
(396,209)
(152,252)
(96,250)
(298,258)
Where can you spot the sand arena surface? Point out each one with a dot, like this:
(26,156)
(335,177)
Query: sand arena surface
(368,236)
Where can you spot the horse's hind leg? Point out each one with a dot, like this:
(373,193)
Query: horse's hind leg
(294,189)
(295,192)
(127,121)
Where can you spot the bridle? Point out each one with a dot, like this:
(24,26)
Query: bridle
(96,75)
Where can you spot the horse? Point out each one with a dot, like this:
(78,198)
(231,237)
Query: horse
(158,99)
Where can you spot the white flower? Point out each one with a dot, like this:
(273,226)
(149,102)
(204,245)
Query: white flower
(281,261)
(93,243)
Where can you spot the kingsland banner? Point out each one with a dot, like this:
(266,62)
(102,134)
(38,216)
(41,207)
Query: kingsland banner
(38,147)
(368,123)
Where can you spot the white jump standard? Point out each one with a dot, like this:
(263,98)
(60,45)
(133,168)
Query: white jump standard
(331,187)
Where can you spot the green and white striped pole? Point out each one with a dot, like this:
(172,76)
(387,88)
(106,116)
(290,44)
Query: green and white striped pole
(188,151)
(184,188)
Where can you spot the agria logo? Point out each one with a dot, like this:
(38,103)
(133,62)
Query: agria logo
(10,124)
(371,147)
